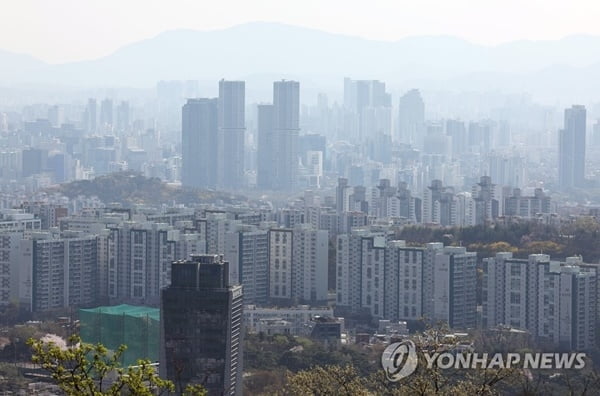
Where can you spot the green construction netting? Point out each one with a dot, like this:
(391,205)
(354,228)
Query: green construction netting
(134,326)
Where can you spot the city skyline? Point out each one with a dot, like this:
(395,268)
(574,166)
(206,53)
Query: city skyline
(254,206)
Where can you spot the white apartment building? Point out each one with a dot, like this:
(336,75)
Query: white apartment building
(247,251)
(310,264)
(280,264)
(58,271)
(390,280)
(139,257)
(555,301)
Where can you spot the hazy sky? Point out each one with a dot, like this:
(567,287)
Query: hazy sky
(67,30)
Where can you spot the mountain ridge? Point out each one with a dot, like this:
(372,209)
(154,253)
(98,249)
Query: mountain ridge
(280,49)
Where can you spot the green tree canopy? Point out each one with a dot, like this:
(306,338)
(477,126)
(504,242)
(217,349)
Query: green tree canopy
(83,369)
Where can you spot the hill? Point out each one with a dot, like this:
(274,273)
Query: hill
(128,188)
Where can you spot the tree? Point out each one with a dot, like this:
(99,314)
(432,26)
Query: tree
(425,381)
(327,381)
(86,369)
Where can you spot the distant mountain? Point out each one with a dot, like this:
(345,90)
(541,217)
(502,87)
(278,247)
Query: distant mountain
(19,68)
(271,49)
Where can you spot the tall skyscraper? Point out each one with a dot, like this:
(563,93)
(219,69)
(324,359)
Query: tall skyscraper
(265,156)
(199,143)
(201,326)
(55,115)
(231,133)
(571,146)
(90,115)
(123,117)
(286,126)
(106,115)
(359,94)
(369,105)
(411,119)
(456,130)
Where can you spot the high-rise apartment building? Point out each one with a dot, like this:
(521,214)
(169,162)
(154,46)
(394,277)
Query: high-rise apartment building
(457,132)
(90,117)
(265,171)
(527,207)
(286,126)
(571,148)
(123,117)
(309,264)
(369,106)
(232,127)
(106,115)
(411,119)
(61,270)
(199,143)
(390,280)
(454,285)
(201,326)
(439,205)
(213,227)
(280,264)
(486,198)
(15,276)
(247,251)
(138,260)
(555,301)
(342,195)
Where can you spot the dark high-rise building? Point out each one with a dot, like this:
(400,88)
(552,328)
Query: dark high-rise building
(265,156)
(201,326)
(411,119)
(286,126)
(199,143)
(231,133)
(571,146)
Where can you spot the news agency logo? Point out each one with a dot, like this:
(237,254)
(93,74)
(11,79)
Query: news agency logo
(400,359)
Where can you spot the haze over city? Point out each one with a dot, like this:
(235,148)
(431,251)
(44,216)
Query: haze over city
(295,198)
